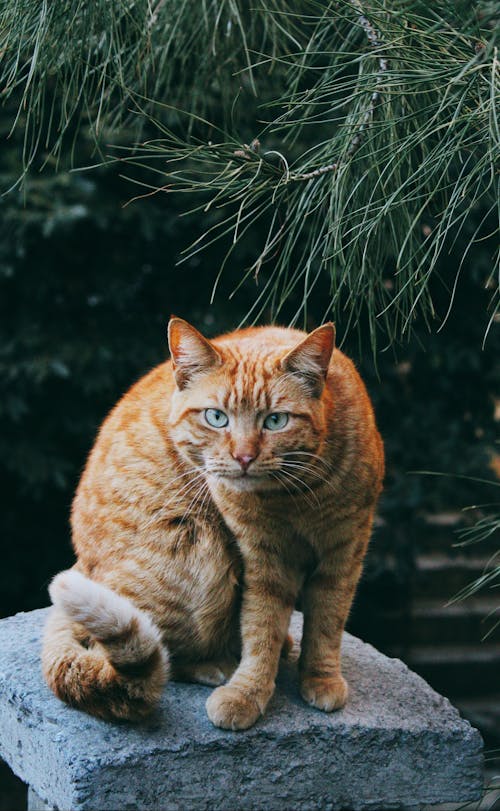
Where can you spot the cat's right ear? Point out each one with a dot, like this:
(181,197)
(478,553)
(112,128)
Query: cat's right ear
(191,352)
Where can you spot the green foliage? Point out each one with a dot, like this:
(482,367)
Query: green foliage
(348,140)
(328,159)
(86,289)
(76,64)
(485,525)
(369,163)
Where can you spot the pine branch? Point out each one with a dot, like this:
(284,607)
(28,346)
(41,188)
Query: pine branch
(401,185)
(373,38)
(74,64)
(353,139)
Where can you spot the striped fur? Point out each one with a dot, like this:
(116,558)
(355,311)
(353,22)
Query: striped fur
(200,540)
(94,631)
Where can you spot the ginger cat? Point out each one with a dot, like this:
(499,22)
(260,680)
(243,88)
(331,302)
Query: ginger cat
(229,482)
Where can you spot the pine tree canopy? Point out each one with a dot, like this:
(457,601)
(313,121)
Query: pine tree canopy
(355,140)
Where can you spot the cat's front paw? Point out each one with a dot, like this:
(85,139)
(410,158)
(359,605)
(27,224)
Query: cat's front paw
(231,708)
(326,693)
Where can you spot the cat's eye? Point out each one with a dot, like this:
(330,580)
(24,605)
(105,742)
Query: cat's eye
(216,418)
(274,422)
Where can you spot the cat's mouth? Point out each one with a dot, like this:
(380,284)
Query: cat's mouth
(240,474)
(246,480)
(241,478)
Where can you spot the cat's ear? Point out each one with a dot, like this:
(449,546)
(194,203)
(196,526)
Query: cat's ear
(310,359)
(191,352)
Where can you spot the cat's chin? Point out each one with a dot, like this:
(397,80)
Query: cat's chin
(246,483)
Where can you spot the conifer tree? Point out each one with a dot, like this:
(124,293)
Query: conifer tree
(350,138)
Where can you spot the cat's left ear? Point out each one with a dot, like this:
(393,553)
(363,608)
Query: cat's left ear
(191,352)
(309,360)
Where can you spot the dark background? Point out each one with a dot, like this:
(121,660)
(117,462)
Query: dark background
(86,288)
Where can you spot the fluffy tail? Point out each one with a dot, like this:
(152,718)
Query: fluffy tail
(101,653)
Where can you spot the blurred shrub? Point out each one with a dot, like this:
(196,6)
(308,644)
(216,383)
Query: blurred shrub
(86,288)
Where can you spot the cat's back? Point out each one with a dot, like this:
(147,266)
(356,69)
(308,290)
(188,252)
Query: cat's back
(130,463)
(140,417)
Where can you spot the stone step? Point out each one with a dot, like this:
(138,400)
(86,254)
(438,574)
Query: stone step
(432,622)
(441,577)
(467,621)
(484,712)
(397,743)
(456,670)
(490,801)
(440,533)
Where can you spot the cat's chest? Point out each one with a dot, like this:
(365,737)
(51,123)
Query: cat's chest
(258,521)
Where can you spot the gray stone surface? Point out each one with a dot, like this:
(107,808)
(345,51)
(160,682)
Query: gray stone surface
(35,803)
(396,744)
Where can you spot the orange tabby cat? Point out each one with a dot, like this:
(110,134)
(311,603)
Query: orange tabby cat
(226,484)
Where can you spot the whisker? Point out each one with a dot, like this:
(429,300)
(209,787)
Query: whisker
(275,475)
(186,488)
(205,505)
(186,473)
(327,481)
(184,491)
(305,467)
(302,493)
(289,476)
(201,491)
(318,476)
(314,456)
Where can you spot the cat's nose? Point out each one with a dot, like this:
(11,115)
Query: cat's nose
(245,459)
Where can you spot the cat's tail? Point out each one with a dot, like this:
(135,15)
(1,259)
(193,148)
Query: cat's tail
(101,653)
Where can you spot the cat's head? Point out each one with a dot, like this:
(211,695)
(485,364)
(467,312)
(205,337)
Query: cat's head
(248,408)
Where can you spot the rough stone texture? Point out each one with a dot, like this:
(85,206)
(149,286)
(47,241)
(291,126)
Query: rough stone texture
(396,744)
(35,803)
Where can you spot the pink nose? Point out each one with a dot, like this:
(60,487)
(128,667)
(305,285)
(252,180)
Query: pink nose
(244,459)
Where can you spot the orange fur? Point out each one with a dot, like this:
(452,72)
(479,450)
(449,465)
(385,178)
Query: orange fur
(198,538)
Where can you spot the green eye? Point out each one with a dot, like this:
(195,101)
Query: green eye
(274,422)
(216,418)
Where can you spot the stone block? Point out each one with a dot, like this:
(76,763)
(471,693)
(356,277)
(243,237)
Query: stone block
(397,743)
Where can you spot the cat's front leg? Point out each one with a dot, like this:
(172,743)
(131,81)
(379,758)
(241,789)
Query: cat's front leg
(326,601)
(268,599)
